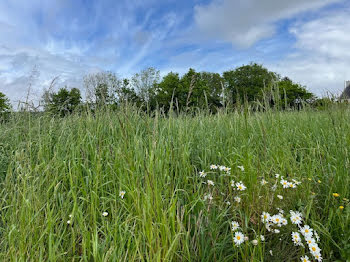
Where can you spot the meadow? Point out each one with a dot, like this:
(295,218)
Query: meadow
(126,186)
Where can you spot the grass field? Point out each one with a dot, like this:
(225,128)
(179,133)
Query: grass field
(62,182)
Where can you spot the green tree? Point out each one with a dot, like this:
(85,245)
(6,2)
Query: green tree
(168,91)
(248,82)
(63,102)
(292,94)
(5,107)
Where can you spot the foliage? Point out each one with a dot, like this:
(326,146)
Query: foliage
(292,94)
(63,102)
(5,107)
(248,82)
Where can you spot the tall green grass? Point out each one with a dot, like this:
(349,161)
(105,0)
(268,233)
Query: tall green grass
(52,168)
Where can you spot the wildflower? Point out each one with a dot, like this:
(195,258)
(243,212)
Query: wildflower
(234,225)
(345,199)
(319,181)
(318,257)
(70,216)
(213,167)
(222,168)
(309,179)
(255,242)
(277,231)
(246,238)
(105,214)
(284,183)
(306,231)
(228,203)
(341,207)
(262,238)
(263,182)
(241,168)
(336,195)
(233,183)
(69,222)
(122,194)
(292,185)
(296,217)
(265,217)
(284,221)
(208,197)
(280,197)
(210,183)
(277,219)
(240,186)
(238,238)
(270,252)
(296,238)
(314,249)
(237,199)
(202,174)
(305,259)
(227,169)
(277,175)
(310,240)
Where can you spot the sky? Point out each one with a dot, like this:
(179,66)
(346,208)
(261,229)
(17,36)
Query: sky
(308,41)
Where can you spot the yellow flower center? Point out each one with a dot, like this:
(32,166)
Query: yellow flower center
(313,249)
(306,230)
(238,237)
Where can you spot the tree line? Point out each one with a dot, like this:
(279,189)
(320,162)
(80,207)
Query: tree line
(253,84)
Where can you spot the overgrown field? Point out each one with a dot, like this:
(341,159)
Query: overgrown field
(62,183)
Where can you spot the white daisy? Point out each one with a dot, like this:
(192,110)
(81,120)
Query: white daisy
(69,222)
(237,199)
(105,214)
(280,197)
(310,240)
(210,183)
(284,183)
(306,231)
(305,259)
(314,249)
(265,217)
(122,194)
(228,203)
(233,183)
(222,168)
(262,238)
(234,225)
(202,174)
(263,182)
(227,169)
(296,217)
(296,238)
(255,242)
(277,175)
(240,186)
(213,167)
(238,238)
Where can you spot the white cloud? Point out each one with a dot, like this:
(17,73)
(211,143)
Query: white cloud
(244,22)
(321,60)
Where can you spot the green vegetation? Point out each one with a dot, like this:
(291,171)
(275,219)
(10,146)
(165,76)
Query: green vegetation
(59,176)
(194,90)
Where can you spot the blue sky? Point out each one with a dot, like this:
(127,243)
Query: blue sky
(305,40)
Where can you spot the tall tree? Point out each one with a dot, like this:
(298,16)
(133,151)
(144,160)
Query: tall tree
(248,82)
(5,107)
(144,83)
(63,102)
(102,88)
